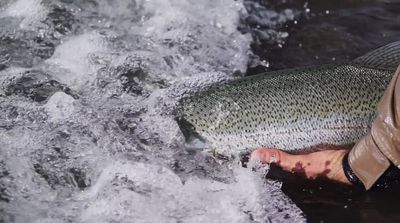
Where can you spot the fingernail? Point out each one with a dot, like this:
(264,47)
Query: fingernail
(273,158)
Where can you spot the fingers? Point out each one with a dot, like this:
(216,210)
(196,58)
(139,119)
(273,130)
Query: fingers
(274,156)
(267,156)
(318,164)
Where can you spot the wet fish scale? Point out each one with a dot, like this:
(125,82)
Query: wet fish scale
(291,109)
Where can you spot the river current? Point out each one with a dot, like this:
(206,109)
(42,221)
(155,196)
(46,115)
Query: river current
(87,89)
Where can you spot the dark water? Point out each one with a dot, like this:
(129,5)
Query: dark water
(333,32)
(329,32)
(323,201)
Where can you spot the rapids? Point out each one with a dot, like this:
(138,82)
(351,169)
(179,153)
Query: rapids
(87,90)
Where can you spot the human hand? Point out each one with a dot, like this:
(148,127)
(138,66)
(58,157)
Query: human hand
(327,163)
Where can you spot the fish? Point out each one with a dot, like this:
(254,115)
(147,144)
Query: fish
(294,110)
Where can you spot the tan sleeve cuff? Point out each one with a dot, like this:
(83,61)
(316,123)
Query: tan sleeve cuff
(367,161)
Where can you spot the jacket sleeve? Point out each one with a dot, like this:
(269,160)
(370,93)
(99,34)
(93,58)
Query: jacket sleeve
(372,155)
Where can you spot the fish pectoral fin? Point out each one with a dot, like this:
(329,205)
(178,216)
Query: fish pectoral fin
(386,57)
(195,144)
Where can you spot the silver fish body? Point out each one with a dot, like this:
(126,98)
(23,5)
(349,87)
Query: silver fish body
(292,109)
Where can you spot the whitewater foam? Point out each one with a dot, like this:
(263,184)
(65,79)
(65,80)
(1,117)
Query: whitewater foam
(86,131)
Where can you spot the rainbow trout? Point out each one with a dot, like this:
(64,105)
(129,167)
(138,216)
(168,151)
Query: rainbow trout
(292,110)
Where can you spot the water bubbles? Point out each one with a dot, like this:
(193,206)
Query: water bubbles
(36,85)
(60,106)
(264,63)
(30,11)
(87,95)
(198,200)
(267,27)
(74,56)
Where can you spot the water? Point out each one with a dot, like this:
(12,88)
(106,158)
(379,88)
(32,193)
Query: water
(88,88)
(86,130)
(326,32)
(332,32)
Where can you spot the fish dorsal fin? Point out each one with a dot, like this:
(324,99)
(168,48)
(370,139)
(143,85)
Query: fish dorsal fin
(386,57)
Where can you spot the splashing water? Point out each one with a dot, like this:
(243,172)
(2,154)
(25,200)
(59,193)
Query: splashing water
(86,133)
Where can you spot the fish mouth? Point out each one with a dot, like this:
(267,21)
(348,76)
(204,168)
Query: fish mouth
(193,140)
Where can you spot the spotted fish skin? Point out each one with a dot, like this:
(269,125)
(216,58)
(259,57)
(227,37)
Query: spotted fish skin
(291,109)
